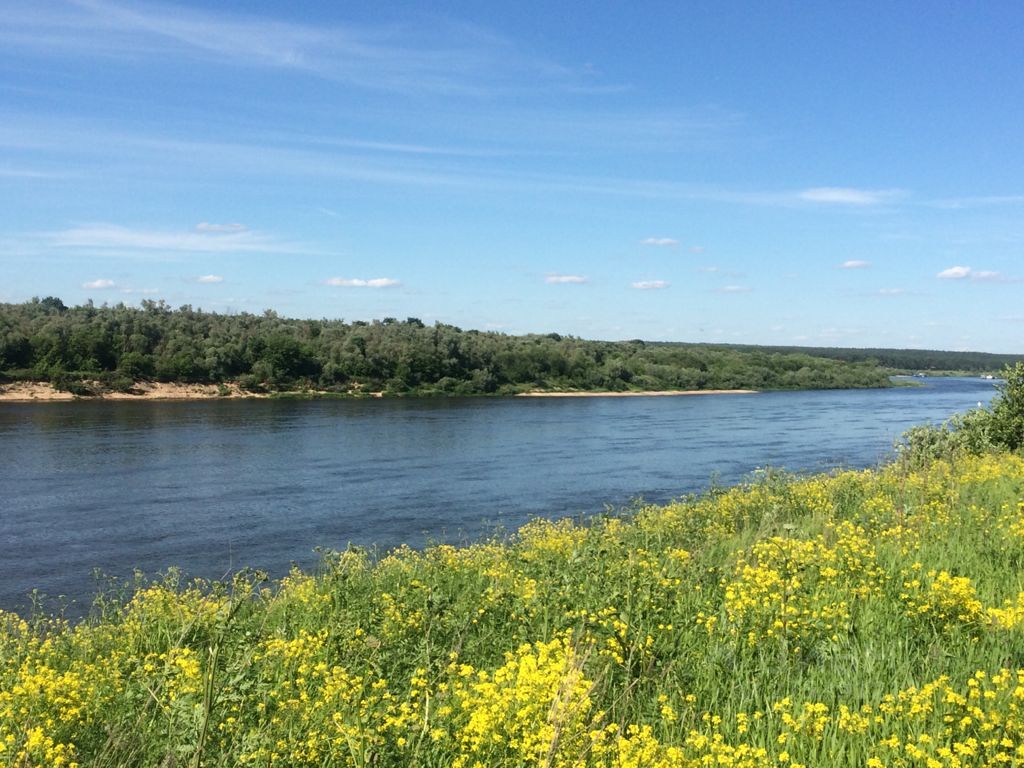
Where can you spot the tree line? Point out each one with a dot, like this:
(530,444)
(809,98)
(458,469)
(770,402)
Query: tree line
(907,360)
(88,348)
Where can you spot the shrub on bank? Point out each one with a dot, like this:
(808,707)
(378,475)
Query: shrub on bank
(980,430)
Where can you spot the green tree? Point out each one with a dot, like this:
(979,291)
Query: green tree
(123,343)
(1007,427)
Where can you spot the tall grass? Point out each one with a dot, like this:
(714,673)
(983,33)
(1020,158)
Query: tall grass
(858,618)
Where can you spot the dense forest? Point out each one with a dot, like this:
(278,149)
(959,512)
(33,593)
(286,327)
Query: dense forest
(89,349)
(904,360)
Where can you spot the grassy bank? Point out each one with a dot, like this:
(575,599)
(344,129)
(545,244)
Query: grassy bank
(862,618)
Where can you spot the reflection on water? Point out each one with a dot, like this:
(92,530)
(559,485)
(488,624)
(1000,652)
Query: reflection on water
(212,486)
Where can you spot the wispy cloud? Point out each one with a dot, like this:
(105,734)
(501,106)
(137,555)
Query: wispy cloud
(299,156)
(202,239)
(697,250)
(659,241)
(100,284)
(28,173)
(855,264)
(209,279)
(980,201)
(637,131)
(356,282)
(205,226)
(650,285)
(849,195)
(555,279)
(734,289)
(891,291)
(732,274)
(967,273)
(446,57)
(401,148)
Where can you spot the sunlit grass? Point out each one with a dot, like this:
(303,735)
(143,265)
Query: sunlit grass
(859,618)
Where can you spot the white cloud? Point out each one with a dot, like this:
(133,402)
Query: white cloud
(979,201)
(891,291)
(445,57)
(855,264)
(565,279)
(709,270)
(356,282)
(114,238)
(146,291)
(99,285)
(650,285)
(209,279)
(848,195)
(659,241)
(734,289)
(963,273)
(696,250)
(25,173)
(205,226)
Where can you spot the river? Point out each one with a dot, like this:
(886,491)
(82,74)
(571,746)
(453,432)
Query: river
(217,485)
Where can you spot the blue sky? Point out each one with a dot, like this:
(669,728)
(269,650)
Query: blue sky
(846,173)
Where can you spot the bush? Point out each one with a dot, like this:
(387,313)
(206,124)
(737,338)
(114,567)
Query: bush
(134,365)
(964,434)
(249,383)
(117,382)
(68,382)
(974,431)
(999,427)
(1008,409)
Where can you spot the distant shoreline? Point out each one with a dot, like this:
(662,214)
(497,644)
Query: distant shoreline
(44,392)
(649,393)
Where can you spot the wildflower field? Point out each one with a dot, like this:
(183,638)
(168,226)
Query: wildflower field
(870,618)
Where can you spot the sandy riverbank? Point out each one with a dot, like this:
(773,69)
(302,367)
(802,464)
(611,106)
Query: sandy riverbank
(650,393)
(41,391)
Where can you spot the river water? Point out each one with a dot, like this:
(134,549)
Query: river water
(217,485)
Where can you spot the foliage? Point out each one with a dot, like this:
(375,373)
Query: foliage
(266,352)
(1008,410)
(1000,426)
(969,433)
(906,360)
(868,618)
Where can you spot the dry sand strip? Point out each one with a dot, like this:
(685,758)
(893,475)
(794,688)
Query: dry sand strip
(43,392)
(651,393)
(40,392)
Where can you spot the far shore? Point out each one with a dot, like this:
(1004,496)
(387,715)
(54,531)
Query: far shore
(44,392)
(648,393)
